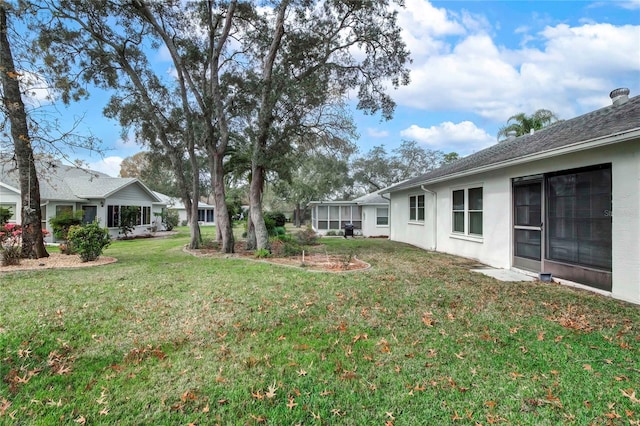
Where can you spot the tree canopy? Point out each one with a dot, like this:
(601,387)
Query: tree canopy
(522,124)
(379,169)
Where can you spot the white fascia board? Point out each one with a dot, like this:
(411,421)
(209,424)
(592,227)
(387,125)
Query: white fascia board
(625,136)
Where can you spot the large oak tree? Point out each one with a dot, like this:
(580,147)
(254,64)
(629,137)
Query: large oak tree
(32,238)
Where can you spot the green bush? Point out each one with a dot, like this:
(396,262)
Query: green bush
(5,214)
(210,244)
(170,219)
(270,225)
(128,219)
(89,240)
(62,222)
(331,234)
(278,218)
(262,253)
(307,237)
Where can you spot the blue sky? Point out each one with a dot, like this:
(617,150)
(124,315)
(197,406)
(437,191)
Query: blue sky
(475,63)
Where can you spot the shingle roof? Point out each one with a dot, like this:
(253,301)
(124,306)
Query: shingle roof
(607,121)
(373,198)
(68,183)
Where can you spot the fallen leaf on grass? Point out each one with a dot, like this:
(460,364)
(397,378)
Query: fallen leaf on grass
(271,391)
(259,419)
(4,406)
(427,319)
(631,394)
(291,404)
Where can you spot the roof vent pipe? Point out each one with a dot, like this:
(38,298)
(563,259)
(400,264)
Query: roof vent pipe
(619,96)
(511,135)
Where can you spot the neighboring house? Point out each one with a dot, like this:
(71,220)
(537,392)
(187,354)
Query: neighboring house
(97,195)
(563,200)
(369,215)
(206,212)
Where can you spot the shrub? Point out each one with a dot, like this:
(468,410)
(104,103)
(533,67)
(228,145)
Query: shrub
(89,240)
(270,225)
(262,253)
(331,234)
(10,240)
(278,218)
(284,248)
(5,215)
(307,237)
(128,219)
(11,255)
(170,219)
(210,244)
(292,249)
(62,222)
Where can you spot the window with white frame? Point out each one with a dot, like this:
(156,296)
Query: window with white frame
(382,216)
(416,208)
(466,208)
(143,215)
(336,217)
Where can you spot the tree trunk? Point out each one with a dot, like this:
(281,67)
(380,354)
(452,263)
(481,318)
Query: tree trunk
(223,223)
(251,234)
(196,236)
(32,239)
(255,198)
(298,219)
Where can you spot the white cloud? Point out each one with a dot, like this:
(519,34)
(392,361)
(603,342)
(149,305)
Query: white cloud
(128,143)
(377,133)
(36,90)
(108,165)
(461,65)
(463,138)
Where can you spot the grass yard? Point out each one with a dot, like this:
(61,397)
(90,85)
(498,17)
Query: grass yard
(163,337)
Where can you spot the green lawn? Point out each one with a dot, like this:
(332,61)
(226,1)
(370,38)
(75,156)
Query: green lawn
(163,337)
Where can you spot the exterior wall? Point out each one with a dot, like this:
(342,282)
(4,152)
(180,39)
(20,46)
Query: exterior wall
(495,247)
(11,198)
(337,218)
(369,226)
(131,195)
(182,215)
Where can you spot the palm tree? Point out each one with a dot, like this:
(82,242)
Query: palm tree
(522,123)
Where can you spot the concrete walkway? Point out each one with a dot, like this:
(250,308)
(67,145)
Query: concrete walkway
(505,274)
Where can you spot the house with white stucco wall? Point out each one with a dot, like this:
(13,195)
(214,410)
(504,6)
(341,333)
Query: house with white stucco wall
(99,196)
(564,200)
(369,215)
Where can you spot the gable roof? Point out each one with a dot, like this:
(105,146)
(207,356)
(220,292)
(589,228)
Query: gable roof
(176,203)
(374,198)
(69,183)
(371,199)
(611,124)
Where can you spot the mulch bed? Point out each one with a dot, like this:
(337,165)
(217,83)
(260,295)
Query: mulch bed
(313,261)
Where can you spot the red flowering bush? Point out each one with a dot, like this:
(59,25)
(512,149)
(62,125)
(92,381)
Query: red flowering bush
(10,244)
